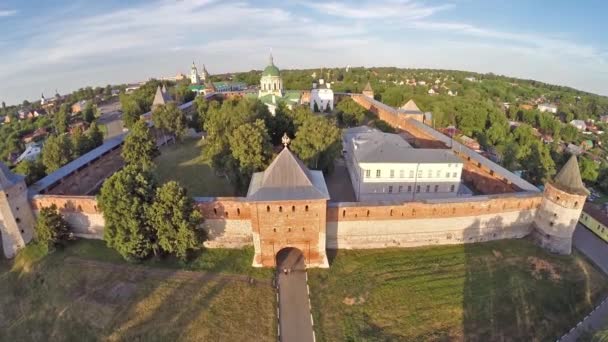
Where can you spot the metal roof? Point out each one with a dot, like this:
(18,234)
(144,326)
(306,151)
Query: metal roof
(287,178)
(76,164)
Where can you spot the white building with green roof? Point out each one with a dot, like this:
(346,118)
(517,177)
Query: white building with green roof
(271,91)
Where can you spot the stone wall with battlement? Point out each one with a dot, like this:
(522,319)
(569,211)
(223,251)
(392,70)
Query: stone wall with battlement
(81,213)
(484,175)
(481,218)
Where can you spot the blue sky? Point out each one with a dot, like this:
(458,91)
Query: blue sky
(65,45)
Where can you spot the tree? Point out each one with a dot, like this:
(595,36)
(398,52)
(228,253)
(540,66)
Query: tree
(51,227)
(589,169)
(317,143)
(131,110)
(88,114)
(170,119)
(250,146)
(95,135)
(139,147)
(539,164)
(350,112)
(176,220)
(61,120)
(33,170)
(80,143)
(55,152)
(125,200)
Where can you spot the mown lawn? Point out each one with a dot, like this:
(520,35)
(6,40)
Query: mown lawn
(53,298)
(495,291)
(184,162)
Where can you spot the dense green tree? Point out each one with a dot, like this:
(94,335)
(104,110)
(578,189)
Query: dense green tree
(95,135)
(318,143)
(139,148)
(55,152)
(125,200)
(538,164)
(170,119)
(50,227)
(589,169)
(33,170)
(350,113)
(80,143)
(131,110)
(176,221)
(569,133)
(88,114)
(250,146)
(61,120)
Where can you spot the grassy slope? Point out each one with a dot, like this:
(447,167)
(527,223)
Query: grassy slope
(480,292)
(47,298)
(184,162)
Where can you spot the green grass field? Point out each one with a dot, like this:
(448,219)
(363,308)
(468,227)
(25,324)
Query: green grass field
(62,298)
(496,291)
(185,163)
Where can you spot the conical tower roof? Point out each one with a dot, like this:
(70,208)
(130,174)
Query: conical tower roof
(410,106)
(287,178)
(368,87)
(569,178)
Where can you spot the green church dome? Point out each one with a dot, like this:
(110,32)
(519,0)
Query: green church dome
(271,69)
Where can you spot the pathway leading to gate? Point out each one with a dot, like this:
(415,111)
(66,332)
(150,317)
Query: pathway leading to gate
(295,318)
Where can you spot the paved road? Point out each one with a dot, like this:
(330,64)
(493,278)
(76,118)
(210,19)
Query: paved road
(596,250)
(294,307)
(593,247)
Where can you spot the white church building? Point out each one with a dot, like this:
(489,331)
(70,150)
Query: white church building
(321,97)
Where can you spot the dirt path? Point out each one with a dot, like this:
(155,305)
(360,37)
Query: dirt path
(147,271)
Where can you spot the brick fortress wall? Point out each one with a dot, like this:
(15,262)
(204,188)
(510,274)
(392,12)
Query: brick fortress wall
(479,176)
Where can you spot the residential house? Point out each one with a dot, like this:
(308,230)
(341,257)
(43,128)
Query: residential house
(79,106)
(579,124)
(31,153)
(547,107)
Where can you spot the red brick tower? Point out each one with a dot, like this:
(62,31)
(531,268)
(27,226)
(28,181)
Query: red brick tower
(288,209)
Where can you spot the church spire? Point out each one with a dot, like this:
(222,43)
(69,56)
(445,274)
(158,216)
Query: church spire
(271,60)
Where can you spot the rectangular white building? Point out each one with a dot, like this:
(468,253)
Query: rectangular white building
(547,107)
(383,166)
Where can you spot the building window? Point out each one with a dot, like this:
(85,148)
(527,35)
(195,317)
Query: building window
(267,208)
(430,173)
(438,173)
(401,173)
(419,173)
(306,208)
(390,189)
(447,175)
(280,209)
(293,208)
(411,173)
(436,188)
(392,174)
(452,188)
(378,173)
(428,188)
(368,173)
(400,188)
(417,188)
(455,174)
(409,188)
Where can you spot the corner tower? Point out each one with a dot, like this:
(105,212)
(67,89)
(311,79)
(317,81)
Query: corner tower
(16,216)
(560,209)
(194,77)
(288,209)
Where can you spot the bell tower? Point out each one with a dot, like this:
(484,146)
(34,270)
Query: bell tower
(16,216)
(560,209)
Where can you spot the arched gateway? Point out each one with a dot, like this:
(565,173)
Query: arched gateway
(288,209)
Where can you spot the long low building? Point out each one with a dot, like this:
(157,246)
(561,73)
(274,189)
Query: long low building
(383,166)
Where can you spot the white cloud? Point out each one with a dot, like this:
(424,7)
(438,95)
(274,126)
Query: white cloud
(7,13)
(402,9)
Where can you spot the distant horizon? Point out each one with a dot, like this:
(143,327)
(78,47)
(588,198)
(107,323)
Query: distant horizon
(113,42)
